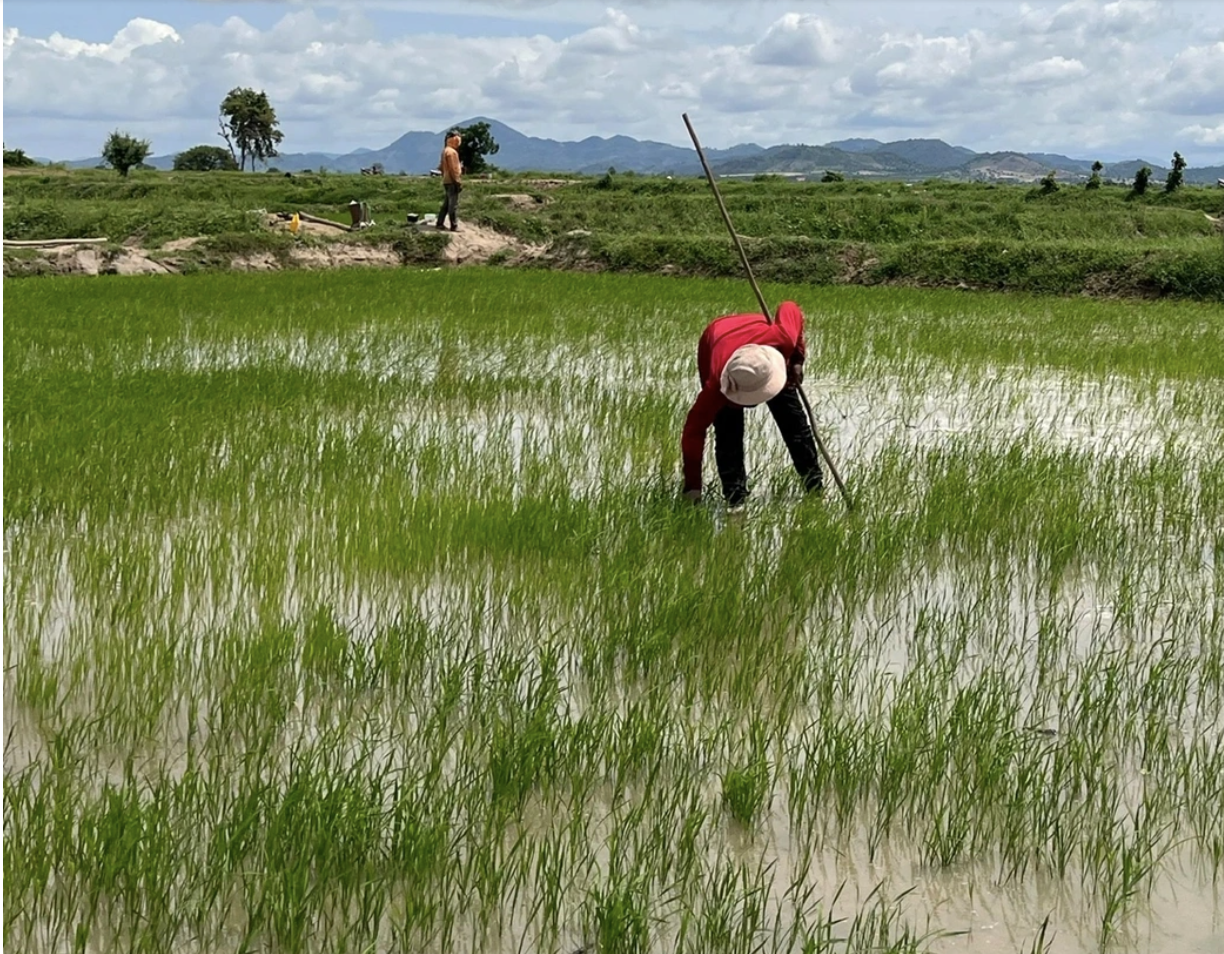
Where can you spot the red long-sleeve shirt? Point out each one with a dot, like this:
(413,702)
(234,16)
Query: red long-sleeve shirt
(721,339)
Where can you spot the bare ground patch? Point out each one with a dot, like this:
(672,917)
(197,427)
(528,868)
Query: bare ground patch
(856,263)
(521,202)
(471,245)
(476,245)
(87,260)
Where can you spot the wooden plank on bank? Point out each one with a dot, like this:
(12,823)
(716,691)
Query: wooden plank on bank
(306,217)
(48,243)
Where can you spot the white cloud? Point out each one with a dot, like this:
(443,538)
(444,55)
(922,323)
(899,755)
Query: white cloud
(1110,76)
(1193,84)
(1056,69)
(1203,135)
(926,62)
(138,33)
(1086,20)
(616,37)
(798,40)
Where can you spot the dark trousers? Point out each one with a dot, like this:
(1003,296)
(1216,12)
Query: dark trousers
(450,205)
(789,415)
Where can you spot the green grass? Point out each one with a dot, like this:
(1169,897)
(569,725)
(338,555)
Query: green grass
(932,234)
(357,611)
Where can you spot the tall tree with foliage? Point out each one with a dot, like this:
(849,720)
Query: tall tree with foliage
(1094,180)
(477,143)
(123,152)
(1139,186)
(1173,180)
(249,121)
(204,159)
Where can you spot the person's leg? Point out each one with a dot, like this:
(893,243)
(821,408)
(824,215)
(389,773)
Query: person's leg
(729,453)
(792,421)
(441,223)
(454,208)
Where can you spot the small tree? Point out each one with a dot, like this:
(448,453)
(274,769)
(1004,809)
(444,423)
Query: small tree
(125,152)
(248,119)
(1049,182)
(204,159)
(1173,180)
(1094,180)
(831,176)
(1139,186)
(477,143)
(17,157)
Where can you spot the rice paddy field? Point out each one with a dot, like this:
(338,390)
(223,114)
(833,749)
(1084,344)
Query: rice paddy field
(360,612)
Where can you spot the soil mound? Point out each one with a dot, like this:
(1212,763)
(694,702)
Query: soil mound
(475,245)
(471,245)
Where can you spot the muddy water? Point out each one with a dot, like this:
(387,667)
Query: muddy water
(1182,911)
(980,910)
(976,908)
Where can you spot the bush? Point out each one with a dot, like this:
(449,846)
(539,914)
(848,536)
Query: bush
(17,157)
(831,176)
(204,159)
(1198,274)
(419,248)
(124,152)
(1142,177)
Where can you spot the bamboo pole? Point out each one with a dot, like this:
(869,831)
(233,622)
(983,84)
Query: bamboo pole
(316,220)
(765,310)
(49,243)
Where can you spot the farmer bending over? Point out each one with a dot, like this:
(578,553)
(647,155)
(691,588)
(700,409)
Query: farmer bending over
(743,361)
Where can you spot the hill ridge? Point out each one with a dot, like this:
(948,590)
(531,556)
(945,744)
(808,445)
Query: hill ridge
(416,152)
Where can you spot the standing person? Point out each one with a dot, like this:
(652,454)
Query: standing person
(743,361)
(452,181)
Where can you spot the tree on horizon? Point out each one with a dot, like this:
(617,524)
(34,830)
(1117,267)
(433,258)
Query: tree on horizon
(248,119)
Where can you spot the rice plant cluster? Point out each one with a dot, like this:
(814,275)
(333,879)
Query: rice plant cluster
(360,612)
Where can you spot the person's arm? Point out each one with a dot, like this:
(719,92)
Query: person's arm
(790,320)
(705,356)
(692,441)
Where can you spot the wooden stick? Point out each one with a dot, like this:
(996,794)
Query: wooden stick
(315,220)
(727,218)
(48,243)
(765,309)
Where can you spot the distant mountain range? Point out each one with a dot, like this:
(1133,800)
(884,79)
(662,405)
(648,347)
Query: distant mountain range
(908,159)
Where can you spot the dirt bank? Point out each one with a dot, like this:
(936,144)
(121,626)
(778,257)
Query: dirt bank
(332,247)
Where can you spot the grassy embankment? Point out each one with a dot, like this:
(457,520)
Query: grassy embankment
(344,612)
(930,233)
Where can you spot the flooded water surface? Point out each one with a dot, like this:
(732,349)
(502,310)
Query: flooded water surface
(344,638)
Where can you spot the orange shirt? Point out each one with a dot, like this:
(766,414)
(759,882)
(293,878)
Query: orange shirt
(452,171)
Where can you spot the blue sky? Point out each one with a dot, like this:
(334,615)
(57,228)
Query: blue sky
(99,20)
(1110,80)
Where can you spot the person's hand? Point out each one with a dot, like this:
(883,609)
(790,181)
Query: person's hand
(693,495)
(795,375)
